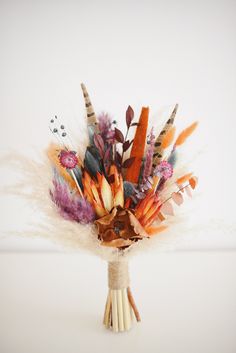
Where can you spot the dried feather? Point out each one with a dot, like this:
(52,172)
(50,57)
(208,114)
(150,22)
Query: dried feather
(168,138)
(91,117)
(158,150)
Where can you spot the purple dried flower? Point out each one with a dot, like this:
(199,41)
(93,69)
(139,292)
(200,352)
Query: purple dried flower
(164,169)
(149,155)
(105,128)
(71,206)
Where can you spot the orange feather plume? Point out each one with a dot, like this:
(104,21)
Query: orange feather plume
(185,134)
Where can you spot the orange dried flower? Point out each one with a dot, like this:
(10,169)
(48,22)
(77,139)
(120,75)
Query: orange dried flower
(119,228)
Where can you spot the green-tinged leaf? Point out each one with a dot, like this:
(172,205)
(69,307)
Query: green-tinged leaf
(91,163)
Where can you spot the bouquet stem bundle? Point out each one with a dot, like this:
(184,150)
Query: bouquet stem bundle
(120,306)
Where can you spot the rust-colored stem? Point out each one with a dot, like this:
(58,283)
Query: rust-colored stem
(132,303)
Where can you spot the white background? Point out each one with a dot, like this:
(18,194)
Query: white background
(153,53)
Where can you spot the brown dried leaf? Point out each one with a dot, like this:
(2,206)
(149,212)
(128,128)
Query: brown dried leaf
(138,228)
(128,162)
(106,220)
(107,154)
(126,145)
(99,143)
(118,158)
(117,243)
(111,179)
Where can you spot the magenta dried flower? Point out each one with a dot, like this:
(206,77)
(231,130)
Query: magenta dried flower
(68,159)
(105,128)
(164,169)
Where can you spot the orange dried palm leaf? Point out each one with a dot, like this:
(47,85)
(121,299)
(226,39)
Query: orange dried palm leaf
(138,147)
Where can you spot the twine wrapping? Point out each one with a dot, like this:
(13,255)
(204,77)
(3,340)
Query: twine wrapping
(118,275)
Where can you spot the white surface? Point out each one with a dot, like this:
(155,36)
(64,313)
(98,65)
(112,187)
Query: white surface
(53,303)
(152,53)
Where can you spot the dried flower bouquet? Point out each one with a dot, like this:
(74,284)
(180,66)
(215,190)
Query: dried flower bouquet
(114,198)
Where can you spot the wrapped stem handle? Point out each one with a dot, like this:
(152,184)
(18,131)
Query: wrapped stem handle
(120,306)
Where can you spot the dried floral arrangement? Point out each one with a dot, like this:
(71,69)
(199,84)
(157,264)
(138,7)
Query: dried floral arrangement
(122,187)
(112,195)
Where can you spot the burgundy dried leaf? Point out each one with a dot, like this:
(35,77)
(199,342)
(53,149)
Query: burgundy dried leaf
(107,154)
(126,145)
(119,136)
(111,179)
(99,143)
(129,116)
(128,162)
(118,158)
